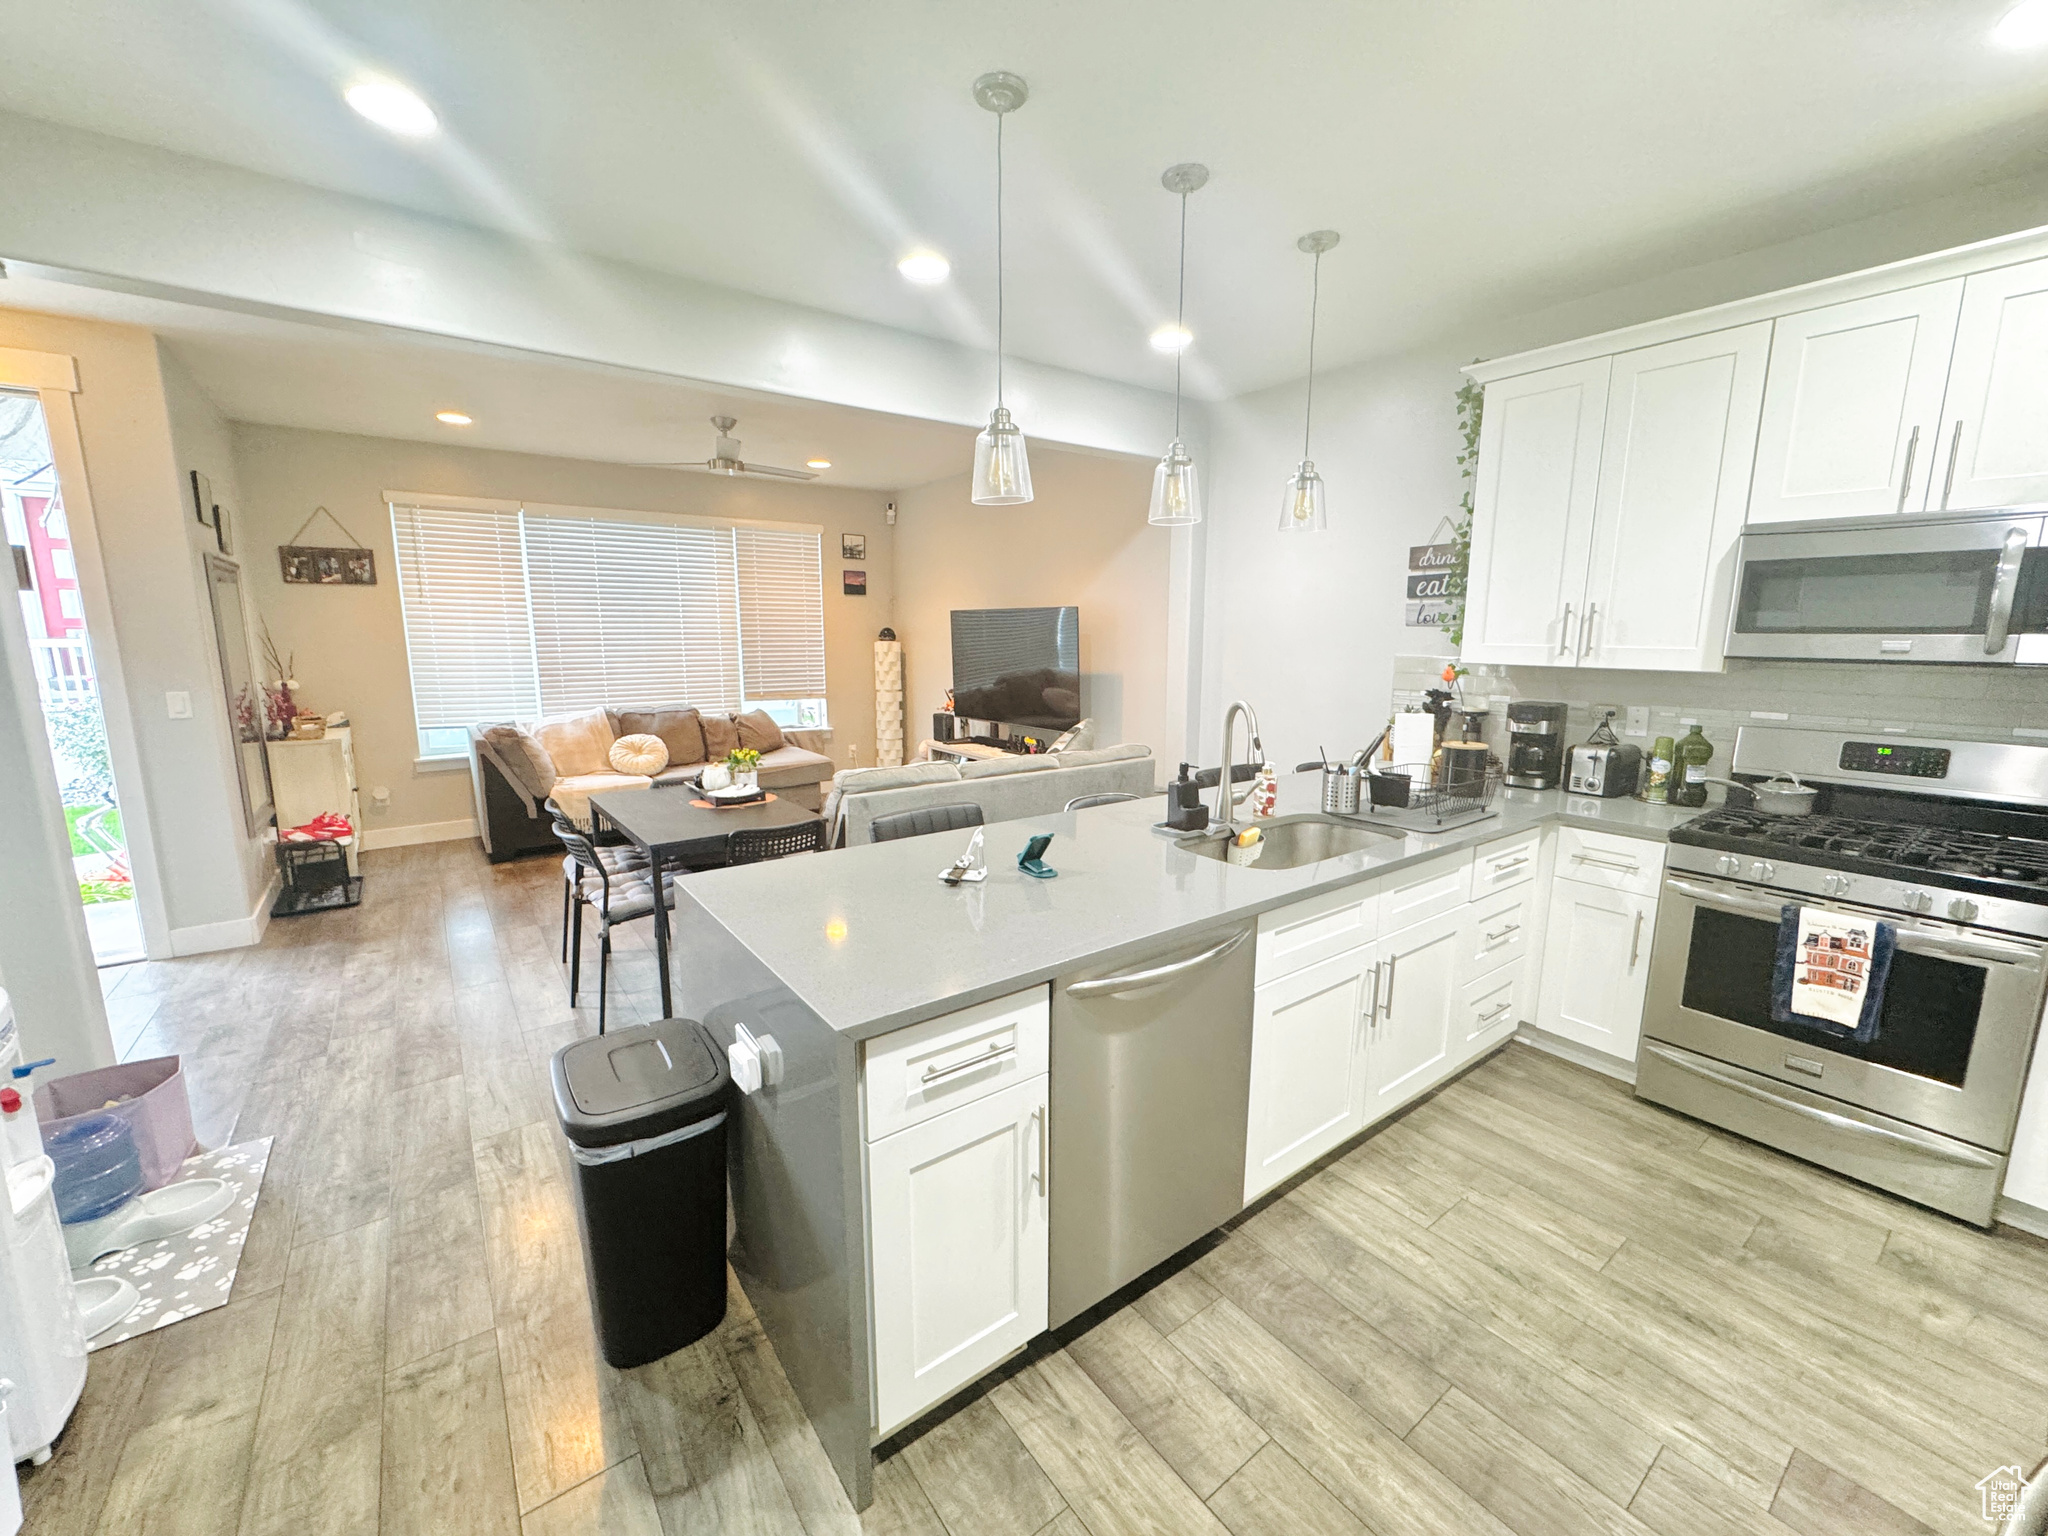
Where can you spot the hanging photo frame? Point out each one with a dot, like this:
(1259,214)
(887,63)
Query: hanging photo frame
(353,565)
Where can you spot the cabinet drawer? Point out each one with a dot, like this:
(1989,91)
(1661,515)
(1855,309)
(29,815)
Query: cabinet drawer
(1428,890)
(1498,932)
(929,1068)
(1489,1009)
(1612,863)
(1507,863)
(1303,933)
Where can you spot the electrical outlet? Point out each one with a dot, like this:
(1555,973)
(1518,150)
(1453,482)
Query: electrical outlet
(1639,720)
(178,705)
(1602,711)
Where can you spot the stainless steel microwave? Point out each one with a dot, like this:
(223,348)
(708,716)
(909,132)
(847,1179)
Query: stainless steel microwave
(1958,587)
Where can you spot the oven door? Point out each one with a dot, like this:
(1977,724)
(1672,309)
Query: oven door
(1954,1038)
(1907,589)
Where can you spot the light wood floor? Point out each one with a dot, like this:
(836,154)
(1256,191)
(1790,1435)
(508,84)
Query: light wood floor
(1530,1305)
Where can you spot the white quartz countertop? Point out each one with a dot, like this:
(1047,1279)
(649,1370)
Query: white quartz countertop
(871,940)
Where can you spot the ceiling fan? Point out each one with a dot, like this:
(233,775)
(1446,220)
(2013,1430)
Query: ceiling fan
(725,458)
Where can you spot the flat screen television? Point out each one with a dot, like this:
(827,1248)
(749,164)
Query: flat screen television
(1019,667)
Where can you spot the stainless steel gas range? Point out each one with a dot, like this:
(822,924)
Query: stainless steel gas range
(1945,840)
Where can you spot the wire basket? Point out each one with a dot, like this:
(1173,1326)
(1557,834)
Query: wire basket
(1427,807)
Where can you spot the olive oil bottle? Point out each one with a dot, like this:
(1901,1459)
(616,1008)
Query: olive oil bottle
(1689,761)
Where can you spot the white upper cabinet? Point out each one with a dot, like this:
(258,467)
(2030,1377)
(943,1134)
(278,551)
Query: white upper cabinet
(1993,446)
(1532,514)
(1852,406)
(1674,478)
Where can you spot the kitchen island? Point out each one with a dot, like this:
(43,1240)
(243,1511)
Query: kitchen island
(840,957)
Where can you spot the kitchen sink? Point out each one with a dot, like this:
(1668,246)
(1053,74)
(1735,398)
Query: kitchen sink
(1292,841)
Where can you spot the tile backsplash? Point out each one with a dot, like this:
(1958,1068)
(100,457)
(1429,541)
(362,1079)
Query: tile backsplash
(1977,703)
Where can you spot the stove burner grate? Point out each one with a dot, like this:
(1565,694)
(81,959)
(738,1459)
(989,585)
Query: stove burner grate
(1945,850)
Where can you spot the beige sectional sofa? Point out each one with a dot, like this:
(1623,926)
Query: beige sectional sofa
(1005,788)
(516,767)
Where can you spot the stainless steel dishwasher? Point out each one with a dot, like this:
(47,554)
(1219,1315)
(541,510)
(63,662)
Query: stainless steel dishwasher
(1151,1087)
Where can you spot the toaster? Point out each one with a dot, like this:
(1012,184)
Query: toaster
(1608,772)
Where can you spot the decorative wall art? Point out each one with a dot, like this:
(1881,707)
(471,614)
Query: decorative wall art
(853,546)
(329,566)
(854,583)
(202,499)
(1430,600)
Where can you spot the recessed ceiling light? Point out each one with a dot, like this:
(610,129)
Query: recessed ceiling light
(925,268)
(817,463)
(451,418)
(392,106)
(2024,26)
(1171,339)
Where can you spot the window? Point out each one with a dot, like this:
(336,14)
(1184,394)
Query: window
(516,612)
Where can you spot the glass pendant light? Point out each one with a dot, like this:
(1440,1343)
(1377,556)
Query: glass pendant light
(1301,503)
(1002,469)
(1176,484)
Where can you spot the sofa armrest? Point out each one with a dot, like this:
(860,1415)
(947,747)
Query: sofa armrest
(483,752)
(816,740)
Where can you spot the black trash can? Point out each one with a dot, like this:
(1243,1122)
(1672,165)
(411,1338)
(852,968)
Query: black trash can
(644,1111)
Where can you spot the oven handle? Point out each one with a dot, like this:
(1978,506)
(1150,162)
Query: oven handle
(1919,940)
(1942,1148)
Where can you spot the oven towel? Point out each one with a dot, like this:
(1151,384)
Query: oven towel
(1830,971)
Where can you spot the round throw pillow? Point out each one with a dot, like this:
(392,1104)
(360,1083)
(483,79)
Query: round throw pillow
(644,755)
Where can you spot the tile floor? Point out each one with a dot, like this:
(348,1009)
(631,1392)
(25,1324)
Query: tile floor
(1529,1305)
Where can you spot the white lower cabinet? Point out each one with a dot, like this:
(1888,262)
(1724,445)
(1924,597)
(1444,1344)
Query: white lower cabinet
(1596,965)
(1410,1045)
(957,1223)
(1488,1010)
(1308,1065)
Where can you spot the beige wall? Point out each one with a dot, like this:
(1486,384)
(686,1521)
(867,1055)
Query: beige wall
(1084,541)
(349,642)
(135,425)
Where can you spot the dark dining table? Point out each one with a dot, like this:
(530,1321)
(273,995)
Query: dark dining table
(674,834)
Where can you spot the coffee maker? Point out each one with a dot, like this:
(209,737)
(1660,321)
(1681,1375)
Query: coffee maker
(1535,744)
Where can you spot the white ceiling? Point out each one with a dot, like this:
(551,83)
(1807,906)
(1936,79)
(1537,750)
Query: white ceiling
(384,383)
(1481,157)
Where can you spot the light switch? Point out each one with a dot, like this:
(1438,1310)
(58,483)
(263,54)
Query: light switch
(1639,720)
(178,704)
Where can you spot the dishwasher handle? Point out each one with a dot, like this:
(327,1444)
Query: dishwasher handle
(1133,981)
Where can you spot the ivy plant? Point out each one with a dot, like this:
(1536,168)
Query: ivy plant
(1471,400)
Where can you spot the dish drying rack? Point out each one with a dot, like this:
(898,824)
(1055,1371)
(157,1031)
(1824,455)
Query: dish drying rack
(1398,800)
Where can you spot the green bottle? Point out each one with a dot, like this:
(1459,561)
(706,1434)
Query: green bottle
(1689,761)
(1657,784)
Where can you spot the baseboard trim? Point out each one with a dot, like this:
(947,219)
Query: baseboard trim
(1578,1055)
(2027,1218)
(235,933)
(420,832)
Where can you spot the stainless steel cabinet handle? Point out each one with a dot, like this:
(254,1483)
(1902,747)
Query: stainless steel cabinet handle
(1955,451)
(1372,1007)
(1635,943)
(2004,589)
(1510,866)
(1906,479)
(1131,981)
(994,1053)
(1564,630)
(1593,858)
(1490,1015)
(1387,1011)
(1586,630)
(1500,933)
(1039,1175)
(1944,1150)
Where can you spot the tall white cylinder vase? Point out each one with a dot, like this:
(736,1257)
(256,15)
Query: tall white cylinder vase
(888,703)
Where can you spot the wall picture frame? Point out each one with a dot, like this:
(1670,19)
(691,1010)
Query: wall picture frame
(310,565)
(224,529)
(854,583)
(853,546)
(202,499)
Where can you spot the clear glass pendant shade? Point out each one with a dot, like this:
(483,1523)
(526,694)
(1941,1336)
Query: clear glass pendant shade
(1002,468)
(1301,504)
(1176,490)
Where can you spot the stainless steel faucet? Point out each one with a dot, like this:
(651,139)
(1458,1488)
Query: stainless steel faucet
(1226,802)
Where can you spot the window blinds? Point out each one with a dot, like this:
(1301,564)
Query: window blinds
(782,612)
(462,591)
(513,614)
(633,613)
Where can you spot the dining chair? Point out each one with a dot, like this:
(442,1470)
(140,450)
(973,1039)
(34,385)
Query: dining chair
(751,845)
(617,855)
(932,818)
(1082,802)
(615,897)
